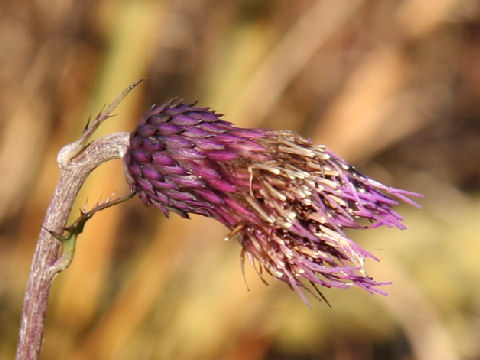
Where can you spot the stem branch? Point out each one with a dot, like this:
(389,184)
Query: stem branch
(76,161)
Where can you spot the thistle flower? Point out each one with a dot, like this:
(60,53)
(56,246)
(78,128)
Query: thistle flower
(286,200)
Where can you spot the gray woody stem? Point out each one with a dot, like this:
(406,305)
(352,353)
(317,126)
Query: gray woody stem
(76,161)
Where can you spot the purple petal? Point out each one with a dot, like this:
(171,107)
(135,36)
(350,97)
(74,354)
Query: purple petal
(162,159)
(248,133)
(208,144)
(144,198)
(140,156)
(151,173)
(184,120)
(161,198)
(237,207)
(162,208)
(186,154)
(210,128)
(181,205)
(227,138)
(226,217)
(145,185)
(145,130)
(135,170)
(176,141)
(206,172)
(246,146)
(157,120)
(135,142)
(222,185)
(209,196)
(179,195)
(222,155)
(188,181)
(162,185)
(155,110)
(168,129)
(195,132)
(171,170)
(150,145)
(204,115)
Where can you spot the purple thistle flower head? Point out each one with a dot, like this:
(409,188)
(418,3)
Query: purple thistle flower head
(286,200)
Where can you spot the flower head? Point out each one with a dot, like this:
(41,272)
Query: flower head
(286,200)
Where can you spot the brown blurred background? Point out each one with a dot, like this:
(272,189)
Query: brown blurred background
(391,85)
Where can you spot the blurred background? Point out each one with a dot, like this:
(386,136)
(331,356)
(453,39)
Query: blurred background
(391,85)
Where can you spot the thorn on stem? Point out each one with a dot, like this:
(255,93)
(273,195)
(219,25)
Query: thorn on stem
(70,151)
(59,237)
(78,225)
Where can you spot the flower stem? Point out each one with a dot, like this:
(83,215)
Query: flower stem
(76,161)
(45,261)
